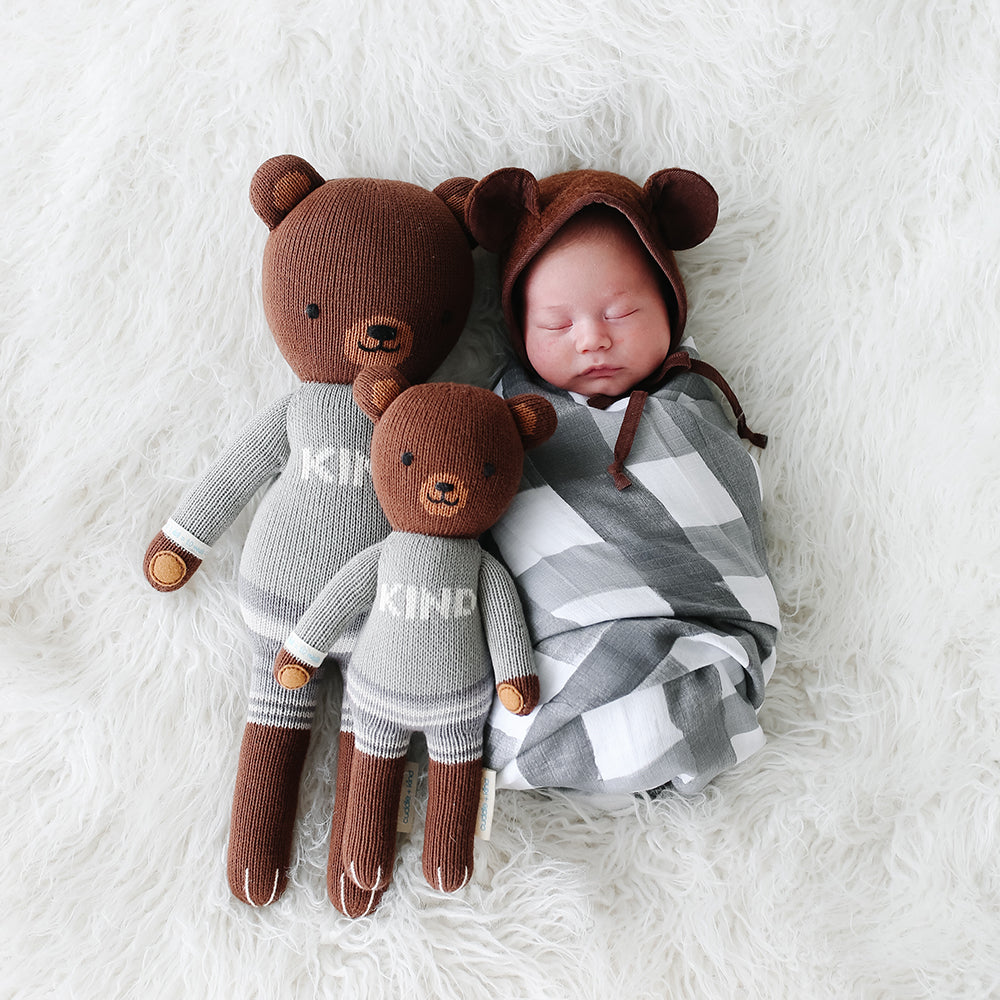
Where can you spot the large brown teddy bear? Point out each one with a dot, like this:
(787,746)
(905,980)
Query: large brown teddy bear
(444,628)
(357,272)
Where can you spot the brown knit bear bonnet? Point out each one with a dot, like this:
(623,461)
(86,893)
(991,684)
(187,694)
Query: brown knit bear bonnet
(511,213)
(514,215)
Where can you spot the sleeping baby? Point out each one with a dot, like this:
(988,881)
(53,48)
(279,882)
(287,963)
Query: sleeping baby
(636,539)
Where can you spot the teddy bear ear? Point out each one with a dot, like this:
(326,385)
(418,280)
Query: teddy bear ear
(685,206)
(279,185)
(534,416)
(497,204)
(453,193)
(375,388)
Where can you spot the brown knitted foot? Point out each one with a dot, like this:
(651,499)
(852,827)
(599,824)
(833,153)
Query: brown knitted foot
(369,849)
(452,801)
(264,803)
(346,896)
(351,899)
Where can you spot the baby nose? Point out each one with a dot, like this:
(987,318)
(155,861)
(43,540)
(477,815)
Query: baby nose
(592,335)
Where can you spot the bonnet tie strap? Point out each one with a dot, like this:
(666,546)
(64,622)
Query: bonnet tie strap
(626,436)
(683,361)
(679,360)
(715,376)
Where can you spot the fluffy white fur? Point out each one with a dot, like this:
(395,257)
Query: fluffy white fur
(850,293)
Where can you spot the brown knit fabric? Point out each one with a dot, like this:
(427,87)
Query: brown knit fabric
(344,893)
(449,833)
(714,376)
(398,238)
(458,421)
(369,835)
(678,361)
(518,693)
(264,804)
(626,436)
(291,674)
(515,215)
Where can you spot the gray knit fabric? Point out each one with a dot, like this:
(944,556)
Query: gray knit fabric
(319,511)
(441,610)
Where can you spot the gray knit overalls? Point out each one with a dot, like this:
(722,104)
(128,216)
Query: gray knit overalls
(445,626)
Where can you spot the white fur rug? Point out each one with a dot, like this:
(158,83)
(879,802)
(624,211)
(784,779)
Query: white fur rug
(850,293)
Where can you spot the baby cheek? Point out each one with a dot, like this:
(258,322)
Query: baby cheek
(549,355)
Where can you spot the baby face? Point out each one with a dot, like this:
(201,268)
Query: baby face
(595,320)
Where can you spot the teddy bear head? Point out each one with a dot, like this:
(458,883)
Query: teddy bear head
(361,272)
(447,458)
(511,213)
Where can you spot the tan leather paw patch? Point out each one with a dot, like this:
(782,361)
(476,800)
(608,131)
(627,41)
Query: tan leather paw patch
(167,568)
(291,676)
(510,698)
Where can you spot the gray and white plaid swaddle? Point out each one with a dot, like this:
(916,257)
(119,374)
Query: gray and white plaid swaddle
(651,612)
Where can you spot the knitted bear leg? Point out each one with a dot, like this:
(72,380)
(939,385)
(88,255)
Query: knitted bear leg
(264,804)
(452,802)
(344,893)
(369,849)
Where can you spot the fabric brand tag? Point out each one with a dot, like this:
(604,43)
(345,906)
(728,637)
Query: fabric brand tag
(487,794)
(407,798)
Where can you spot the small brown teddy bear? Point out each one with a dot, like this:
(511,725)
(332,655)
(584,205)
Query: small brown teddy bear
(446,462)
(357,272)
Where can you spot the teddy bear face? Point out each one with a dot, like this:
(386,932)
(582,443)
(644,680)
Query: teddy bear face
(360,272)
(447,458)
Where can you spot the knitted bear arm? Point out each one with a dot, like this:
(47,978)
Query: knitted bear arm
(351,591)
(504,627)
(255,456)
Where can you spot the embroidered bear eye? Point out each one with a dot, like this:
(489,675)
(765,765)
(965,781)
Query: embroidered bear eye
(488,469)
(406,458)
(312,310)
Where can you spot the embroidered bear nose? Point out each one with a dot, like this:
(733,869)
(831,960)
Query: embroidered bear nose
(378,335)
(383,333)
(443,497)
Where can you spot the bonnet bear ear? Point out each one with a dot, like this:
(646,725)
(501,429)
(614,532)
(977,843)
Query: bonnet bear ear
(534,416)
(375,388)
(279,185)
(684,204)
(497,204)
(453,193)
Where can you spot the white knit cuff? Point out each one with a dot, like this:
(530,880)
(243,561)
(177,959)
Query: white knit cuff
(186,540)
(303,652)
